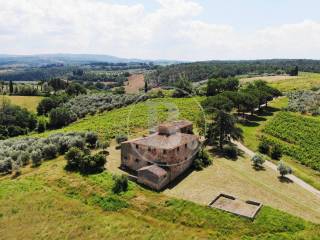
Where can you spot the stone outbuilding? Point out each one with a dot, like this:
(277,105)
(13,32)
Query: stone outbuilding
(161,157)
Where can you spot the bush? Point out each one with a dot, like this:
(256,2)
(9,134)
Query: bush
(92,164)
(257,161)
(120,184)
(6,165)
(24,158)
(197,164)
(49,152)
(276,152)
(104,145)
(78,160)
(78,142)
(36,157)
(91,138)
(264,147)
(74,157)
(42,125)
(230,152)
(60,117)
(202,160)
(283,169)
(121,138)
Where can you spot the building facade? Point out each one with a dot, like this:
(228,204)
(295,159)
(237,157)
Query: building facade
(161,157)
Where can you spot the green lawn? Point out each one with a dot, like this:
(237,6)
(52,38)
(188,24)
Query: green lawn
(48,203)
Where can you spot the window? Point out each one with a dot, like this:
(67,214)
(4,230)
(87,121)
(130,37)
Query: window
(186,145)
(164,151)
(178,149)
(149,149)
(137,146)
(126,158)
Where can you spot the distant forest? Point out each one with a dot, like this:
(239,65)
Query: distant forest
(199,71)
(47,72)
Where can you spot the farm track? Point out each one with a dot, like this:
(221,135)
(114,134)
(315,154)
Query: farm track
(271,165)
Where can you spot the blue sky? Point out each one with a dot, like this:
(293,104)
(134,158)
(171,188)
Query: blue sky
(163,29)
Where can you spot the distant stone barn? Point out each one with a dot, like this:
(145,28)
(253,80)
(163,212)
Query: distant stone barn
(161,157)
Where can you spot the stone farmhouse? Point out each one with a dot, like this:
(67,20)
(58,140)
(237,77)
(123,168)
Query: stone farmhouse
(162,156)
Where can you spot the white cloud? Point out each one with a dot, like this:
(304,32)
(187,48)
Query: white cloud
(172,31)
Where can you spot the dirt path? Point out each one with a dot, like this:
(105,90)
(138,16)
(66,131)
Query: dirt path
(271,165)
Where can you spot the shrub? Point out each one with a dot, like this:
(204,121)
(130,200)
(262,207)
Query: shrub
(120,184)
(16,168)
(92,164)
(42,125)
(230,152)
(197,164)
(264,147)
(36,157)
(257,161)
(91,138)
(60,117)
(77,141)
(24,158)
(283,169)
(202,160)
(104,145)
(276,152)
(73,157)
(121,138)
(6,165)
(49,152)
(78,160)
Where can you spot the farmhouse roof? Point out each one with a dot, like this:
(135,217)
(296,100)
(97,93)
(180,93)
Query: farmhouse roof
(166,141)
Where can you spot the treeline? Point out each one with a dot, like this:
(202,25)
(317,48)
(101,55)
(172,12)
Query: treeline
(83,76)
(122,66)
(15,120)
(199,71)
(36,74)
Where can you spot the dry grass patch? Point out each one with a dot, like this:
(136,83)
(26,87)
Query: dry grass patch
(28,102)
(238,178)
(135,82)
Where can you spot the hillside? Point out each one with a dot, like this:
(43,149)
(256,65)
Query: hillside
(83,207)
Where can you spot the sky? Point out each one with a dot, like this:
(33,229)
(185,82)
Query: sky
(163,29)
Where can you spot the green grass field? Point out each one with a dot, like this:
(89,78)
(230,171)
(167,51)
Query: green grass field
(28,102)
(304,81)
(48,203)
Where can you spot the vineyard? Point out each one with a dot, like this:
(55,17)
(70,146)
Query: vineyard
(138,116)
(298,136)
